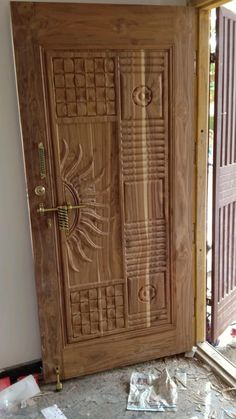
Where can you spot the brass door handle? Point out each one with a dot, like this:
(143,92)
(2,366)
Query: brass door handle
(62,212)
(68,207)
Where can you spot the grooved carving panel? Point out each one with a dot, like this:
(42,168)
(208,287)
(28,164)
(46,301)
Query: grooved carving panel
(145,248)
(143,148)
(145,94)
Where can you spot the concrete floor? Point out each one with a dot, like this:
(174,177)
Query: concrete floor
(227,344)
(104,395)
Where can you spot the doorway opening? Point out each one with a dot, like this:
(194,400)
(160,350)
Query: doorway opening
(221,184)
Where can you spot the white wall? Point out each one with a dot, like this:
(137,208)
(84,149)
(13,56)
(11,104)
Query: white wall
(19,331)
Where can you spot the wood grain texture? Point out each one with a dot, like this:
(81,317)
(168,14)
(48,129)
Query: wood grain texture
(201,171)
(224,188)
(113,97)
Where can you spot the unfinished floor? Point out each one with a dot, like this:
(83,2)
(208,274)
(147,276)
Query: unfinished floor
(104,395)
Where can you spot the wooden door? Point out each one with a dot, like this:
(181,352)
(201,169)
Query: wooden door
(224,202)
(107,110)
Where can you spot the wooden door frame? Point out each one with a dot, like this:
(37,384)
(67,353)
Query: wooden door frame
(207,4)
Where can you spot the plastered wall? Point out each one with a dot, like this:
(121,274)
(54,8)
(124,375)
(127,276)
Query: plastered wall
(19,330)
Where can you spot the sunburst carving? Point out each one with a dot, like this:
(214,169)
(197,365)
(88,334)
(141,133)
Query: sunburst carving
(80,184)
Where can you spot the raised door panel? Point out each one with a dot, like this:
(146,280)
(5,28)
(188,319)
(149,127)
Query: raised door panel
(145,143)
(109,113)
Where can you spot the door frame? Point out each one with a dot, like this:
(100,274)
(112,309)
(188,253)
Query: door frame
(203,67)
(207,353)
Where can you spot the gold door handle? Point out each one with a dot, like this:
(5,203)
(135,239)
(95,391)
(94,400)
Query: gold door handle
(68,207)
(62,212)
(42,209)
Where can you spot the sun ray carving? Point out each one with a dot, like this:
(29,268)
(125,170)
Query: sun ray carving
(93,214)
(82,186)
(79,248)
(88,239)
(92,227)
(71,259)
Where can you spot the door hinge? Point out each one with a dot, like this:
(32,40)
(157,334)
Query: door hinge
(212,57)
(209,301)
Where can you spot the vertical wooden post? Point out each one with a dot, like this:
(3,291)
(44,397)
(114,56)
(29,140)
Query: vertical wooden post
(201,161)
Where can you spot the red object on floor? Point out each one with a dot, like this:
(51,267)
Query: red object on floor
(36,377)
(233,331)
(4,383)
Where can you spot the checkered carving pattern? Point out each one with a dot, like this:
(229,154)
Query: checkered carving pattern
(84,87)
(97,311)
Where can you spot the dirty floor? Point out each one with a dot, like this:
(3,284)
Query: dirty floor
(229,352)
(227,343)
(104,395)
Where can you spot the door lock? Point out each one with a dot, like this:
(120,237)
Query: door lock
(40,190)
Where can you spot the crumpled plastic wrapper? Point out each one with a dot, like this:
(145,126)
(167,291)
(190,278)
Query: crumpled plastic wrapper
(152,393)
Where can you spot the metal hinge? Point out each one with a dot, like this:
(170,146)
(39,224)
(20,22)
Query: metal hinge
(212,57)
(209,301)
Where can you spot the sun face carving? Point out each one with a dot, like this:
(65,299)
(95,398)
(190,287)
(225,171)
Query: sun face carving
(80,189)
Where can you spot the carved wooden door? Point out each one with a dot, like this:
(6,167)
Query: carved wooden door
(107,109)
(224,203)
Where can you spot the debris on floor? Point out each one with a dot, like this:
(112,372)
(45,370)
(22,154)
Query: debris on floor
(230,413)
(226,343)
(181,379)
(190,354)
(104,395)
(4,383)
(53,412)
(149,392)
(18,393)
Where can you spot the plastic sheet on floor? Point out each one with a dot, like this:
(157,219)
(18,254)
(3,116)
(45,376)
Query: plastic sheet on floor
(149,392)
(18,393)
(53,412)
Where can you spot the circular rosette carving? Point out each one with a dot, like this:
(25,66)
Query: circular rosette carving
(142,96)
(147,293)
